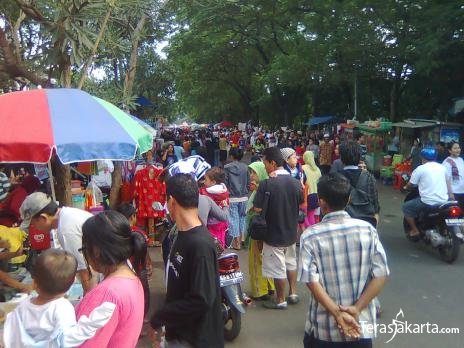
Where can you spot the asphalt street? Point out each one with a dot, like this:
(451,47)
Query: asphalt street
(421,286)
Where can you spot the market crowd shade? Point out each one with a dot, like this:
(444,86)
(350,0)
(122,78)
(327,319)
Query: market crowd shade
(80,127)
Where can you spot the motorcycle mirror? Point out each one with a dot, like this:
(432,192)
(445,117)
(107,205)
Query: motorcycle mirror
(157,206)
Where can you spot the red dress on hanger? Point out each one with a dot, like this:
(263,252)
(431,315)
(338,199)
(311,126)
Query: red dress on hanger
(148,189)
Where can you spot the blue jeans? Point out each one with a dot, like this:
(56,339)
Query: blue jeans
(237,219)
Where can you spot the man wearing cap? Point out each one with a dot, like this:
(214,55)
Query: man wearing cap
(325,154)
(43,213)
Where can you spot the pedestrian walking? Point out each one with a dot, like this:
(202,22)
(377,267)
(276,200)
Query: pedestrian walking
(279,254)
(454,165)
(343,263)
(325,154)
(192,313)
(237,181)
(313,174)
(260,286)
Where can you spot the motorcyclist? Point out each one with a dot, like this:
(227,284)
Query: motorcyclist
(434,189)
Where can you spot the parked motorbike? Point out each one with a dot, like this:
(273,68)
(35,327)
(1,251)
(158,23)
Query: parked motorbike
(441,227)
(233,299)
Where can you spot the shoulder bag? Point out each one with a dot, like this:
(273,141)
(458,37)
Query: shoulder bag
(258,225)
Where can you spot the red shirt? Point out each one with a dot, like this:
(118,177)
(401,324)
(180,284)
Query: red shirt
(148,189)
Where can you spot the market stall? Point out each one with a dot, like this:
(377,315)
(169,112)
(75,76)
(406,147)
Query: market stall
(69,124)
(428,131)
(376,136)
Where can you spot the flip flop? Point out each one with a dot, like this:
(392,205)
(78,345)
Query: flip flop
(414,238)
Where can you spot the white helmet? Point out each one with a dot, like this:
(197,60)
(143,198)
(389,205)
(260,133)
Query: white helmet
(193,165)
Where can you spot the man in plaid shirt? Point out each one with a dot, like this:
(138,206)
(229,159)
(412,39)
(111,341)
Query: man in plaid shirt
(344,266)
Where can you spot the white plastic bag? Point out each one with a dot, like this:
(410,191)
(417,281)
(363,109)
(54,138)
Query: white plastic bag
(97,195)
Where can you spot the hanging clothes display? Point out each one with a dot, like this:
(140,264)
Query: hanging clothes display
(149,188)
(127,186)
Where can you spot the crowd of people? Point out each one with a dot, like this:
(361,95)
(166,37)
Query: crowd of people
(314,193)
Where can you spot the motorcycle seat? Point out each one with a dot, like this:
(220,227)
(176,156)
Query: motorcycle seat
(226,256)
(448,204)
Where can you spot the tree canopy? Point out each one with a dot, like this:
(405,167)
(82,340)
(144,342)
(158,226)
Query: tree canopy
(275,62)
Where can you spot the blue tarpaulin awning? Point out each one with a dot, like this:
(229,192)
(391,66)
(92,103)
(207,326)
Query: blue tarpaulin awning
(320,120)
(143,101)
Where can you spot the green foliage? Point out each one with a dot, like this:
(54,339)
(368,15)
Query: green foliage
(276,62)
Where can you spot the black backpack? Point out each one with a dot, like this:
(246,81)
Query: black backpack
(359,205)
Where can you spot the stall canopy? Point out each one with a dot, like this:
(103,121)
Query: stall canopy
(382,128)
(77,126)
(320,120)
(416,124)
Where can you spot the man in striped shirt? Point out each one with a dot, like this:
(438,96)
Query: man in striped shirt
(344,266)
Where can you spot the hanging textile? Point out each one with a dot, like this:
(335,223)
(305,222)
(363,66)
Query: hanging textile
(88,168)
(149,188)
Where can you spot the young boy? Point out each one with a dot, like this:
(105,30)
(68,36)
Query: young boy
(343,257)
(49,320)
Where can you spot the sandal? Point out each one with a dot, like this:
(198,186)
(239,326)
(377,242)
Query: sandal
(293,299)
(273,305)
(414,238)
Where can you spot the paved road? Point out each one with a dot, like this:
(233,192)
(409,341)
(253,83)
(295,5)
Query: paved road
(421,285)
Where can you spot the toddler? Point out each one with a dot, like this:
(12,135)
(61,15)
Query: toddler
(48,319)
(217,191)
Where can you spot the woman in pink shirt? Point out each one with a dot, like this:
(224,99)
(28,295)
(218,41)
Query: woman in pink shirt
(107,243)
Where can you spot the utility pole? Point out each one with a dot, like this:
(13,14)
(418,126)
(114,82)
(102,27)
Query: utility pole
(355,94)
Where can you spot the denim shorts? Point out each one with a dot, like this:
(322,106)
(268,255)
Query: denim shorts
(414,207)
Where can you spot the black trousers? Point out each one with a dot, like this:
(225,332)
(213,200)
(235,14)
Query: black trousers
(310,341)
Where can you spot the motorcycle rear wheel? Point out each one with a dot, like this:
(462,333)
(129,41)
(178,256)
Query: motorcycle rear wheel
(450,253)
(233,324)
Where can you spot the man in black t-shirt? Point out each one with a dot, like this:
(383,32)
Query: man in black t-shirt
(192,311)
(279,254)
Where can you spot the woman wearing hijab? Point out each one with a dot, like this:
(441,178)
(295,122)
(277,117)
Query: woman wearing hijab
(260,286)
(313,174)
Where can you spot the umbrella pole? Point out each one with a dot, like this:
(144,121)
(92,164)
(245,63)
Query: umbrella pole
(52,182)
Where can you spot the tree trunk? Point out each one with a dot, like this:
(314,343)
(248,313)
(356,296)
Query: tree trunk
(128,86)
(116,183)
(14,68)
(62,175)
(394,98)
(130,75)
(94,50)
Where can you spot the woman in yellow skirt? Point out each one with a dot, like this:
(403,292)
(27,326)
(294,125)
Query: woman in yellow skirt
(259,286)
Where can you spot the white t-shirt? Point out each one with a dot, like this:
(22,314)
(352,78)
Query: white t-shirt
(103,178)
(456,185)
(69,232)
(52,324)
(431,179)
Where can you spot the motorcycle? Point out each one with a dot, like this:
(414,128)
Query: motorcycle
(233,299)
(440,226)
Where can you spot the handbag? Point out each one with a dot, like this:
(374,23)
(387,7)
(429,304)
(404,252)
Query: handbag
(258,225)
